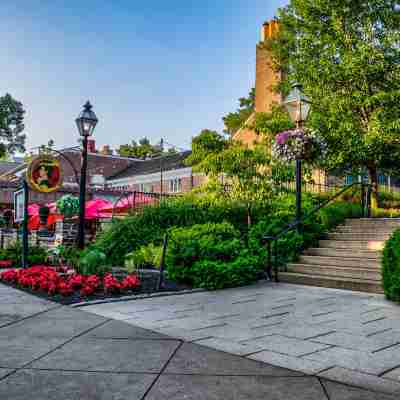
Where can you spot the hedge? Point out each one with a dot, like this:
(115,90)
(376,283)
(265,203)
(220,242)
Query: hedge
(126,235)
(391,267)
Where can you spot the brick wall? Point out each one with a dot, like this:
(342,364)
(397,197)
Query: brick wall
(266,80)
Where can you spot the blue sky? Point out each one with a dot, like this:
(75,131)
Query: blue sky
(151,68)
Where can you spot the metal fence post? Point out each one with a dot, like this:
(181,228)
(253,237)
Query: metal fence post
(362,200)
(25,233)
(369,194)
(276,266)
(269,259)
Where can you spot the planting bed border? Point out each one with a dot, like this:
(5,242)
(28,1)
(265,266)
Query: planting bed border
(100,297)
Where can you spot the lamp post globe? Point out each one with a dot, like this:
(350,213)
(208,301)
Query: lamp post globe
(297,104)
(86,123)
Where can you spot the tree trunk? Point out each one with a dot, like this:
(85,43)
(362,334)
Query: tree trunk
(373,178)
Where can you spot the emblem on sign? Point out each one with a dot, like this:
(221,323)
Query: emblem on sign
(44,174)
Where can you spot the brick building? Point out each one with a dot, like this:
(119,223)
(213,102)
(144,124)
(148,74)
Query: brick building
(166,174)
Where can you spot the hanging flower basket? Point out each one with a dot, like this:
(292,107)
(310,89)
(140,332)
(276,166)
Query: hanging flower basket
(298,144)
(68,206)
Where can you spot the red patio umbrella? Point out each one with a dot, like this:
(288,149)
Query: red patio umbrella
(126,203)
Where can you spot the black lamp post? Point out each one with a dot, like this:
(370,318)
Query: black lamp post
(298,106)
(86,122)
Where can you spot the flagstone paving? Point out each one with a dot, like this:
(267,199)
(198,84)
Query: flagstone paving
(339,335)
(48,351)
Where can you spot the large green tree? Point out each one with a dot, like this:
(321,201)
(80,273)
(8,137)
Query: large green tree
(230,165)
(235,120)
(346,54)
(11,126)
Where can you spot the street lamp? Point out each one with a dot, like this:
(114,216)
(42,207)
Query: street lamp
(298,106)
(86,122)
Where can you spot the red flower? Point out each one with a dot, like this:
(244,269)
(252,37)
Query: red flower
(9,276)
(65,289)
(87,291)
(93,281)
(111,284)
(131,282)
(77,281)
(52,289)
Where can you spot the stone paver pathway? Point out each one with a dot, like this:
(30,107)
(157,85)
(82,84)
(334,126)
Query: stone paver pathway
(51,352)
(337,335)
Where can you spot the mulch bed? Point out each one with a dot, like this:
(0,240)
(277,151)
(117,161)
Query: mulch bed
(148,285)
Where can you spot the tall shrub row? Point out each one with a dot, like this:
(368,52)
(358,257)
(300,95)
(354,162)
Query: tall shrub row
(391,267)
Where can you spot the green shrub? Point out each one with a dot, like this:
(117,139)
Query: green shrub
(68,255)
(386,213)
(36,255)
(129,234)
(336,213)
(208,242)
(145,257)
(93,262)
(68,205)
(391,267)
(291,244)
(214,274)
(389,200)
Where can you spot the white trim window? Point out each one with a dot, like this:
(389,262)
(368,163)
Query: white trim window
(175,185)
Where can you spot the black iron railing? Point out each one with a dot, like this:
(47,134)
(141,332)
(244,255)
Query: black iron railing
(272,241)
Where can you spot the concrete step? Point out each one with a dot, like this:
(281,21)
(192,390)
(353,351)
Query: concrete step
(361,285)
(373,222)
(365,230)
(376,245)
(335,272)
(348,253)
(358,236)
(340,261)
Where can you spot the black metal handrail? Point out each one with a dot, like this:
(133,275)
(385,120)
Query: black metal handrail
(272,241)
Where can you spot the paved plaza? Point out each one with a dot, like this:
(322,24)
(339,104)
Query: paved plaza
(55,352)
(345,336)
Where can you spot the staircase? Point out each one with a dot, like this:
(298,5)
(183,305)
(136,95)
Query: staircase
(349,257)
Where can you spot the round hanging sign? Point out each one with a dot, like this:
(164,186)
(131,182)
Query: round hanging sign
(44,174)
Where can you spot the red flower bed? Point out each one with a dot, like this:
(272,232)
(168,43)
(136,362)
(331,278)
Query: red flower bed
(66,282)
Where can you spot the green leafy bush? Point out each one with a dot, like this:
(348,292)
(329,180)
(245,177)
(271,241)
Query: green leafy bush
(208,242)
(145,257)
(291,244)
(389,200)
(36,255)
(93,262)
(214,274)
(68,255)
(68,205)
(129,234)
(386,212)
(391,267)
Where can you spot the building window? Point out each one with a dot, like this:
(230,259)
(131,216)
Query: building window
(382,180)
(145,187)
(349,179)
(175,185)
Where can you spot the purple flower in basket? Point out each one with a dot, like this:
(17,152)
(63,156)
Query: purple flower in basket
(298,143)
(282,137)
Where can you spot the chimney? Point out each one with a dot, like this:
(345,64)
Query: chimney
(266,77)
(269,30)
(91,146)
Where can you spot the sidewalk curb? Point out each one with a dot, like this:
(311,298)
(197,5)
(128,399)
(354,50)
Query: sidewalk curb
(136,297)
